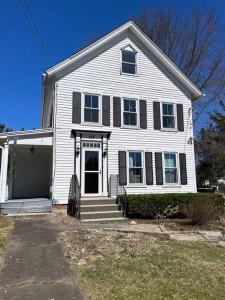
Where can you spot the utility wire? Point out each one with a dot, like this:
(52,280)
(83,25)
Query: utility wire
(31,23)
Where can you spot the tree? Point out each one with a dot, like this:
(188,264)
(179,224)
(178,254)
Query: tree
(195,44)
(3,128)
(210,148)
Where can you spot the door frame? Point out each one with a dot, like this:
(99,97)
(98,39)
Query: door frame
(99,150)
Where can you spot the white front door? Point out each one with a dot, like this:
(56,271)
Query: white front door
(91,172)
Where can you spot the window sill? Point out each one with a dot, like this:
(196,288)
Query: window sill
(176,185)
(91,124)
(129,127)
(129,74)
(169,129)
(136,186)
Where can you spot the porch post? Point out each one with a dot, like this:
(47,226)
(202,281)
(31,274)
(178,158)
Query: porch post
(4,170)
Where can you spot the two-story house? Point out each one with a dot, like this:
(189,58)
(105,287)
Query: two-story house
(117,116)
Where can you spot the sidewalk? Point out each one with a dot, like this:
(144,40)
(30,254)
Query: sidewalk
(35,267)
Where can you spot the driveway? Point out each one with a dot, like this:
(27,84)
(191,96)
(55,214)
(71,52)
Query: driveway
(35,267)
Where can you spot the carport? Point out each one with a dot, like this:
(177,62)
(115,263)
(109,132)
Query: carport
(26,164)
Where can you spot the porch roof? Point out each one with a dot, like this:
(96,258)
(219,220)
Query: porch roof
(5,135)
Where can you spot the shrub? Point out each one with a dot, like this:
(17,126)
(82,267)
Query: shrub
(201,211)
(165,205)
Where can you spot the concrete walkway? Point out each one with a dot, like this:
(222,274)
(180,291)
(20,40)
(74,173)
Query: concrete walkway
(35,267)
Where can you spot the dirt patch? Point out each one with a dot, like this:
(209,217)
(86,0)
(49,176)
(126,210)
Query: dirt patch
(87,246)
(59,216)
(6,225)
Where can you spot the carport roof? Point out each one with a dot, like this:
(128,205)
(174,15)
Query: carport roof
(5,135)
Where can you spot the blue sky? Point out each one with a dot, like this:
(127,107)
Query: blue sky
(64,25)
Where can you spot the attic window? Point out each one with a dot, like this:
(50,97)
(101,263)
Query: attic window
(129,64)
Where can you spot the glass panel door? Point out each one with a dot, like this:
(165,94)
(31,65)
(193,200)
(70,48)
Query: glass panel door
(91,172)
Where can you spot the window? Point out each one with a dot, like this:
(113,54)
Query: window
(135,167)
(168,115)
(91,108)
(170,168)
(129,112)
(129,62)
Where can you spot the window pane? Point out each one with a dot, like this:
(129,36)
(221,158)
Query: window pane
(94,116)
(168,109)
(168,122)
(126,104)
(87,100)
(135,159)
(87,115)
(129,69)
(130,119)
(171,175)
(94,101)
(135,175)
(132,105)
(91,160)
(128,56)
(91,183)
(91,115)
(129,105)
(170,160)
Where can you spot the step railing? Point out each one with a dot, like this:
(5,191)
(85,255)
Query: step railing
(115,189)
(73,207)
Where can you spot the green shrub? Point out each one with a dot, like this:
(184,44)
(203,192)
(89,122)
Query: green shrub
(165,205)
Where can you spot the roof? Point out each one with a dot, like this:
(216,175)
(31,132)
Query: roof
(4,135)
(182,79)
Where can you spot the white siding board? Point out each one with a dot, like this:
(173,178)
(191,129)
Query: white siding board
(102,75)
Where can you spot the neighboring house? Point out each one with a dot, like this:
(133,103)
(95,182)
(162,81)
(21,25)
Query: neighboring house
(117,114)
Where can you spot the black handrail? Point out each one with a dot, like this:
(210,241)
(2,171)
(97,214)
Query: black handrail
(73,207)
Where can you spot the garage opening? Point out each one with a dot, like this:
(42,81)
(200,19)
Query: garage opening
(30,171)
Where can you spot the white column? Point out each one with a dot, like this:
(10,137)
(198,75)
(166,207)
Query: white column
(105,166)
(4,172)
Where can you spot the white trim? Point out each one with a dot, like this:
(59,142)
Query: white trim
(135,64)
(137,126)
(1,172)
(99,150)
(99,95)
(135,185)
(175,115)
(175,184)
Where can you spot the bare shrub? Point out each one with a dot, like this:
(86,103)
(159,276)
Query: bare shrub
(201,211)
(221,188)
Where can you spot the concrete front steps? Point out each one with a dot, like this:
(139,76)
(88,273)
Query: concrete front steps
(26,206)
(100,210)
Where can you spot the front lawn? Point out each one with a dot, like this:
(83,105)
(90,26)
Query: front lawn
(6,225)
(112,265)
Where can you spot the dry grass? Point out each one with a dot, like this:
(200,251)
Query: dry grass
(6,225)
(112,265)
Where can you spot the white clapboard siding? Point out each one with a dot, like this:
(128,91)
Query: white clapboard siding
(102,75)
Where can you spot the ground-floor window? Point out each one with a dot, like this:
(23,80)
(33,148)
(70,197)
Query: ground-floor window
(170,168)
(135,167)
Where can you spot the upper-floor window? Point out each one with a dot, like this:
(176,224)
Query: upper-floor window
(129,64)
(91,108)
(170,168)
(135,167)
(130,112)
(168,115)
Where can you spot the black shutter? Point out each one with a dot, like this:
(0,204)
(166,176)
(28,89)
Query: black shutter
(148,168)
(180,117)
(76,115)
(156,115)
(122,168)
(116,112)
(183,168)
(106,110)
(143,114)
(158,168)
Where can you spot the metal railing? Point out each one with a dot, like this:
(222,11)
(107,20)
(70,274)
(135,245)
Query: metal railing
(115,189)
(73,207)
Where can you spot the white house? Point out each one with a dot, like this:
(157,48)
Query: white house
(117,115)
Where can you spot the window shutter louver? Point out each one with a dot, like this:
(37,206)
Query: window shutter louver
(106,110)
(116,112)
(158,168)
(156,115)
(148,168)
(122,168)
(76,114)
(180,117)
(183,168)
(143,114)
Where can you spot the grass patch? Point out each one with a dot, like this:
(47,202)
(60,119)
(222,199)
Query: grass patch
(141,267)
